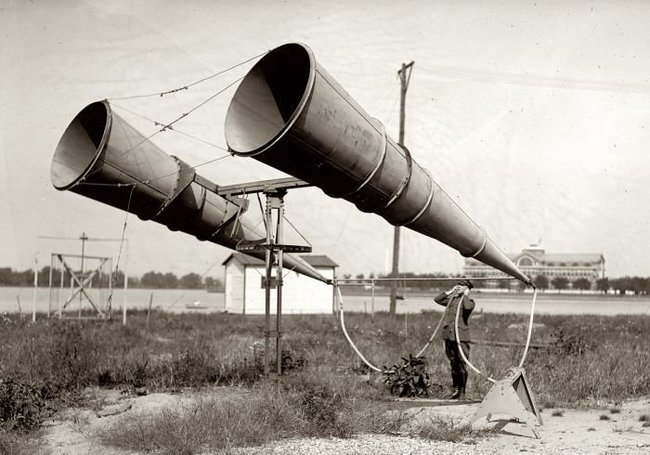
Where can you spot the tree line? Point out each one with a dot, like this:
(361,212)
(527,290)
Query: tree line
(150,280)
(158,280)
(627,284)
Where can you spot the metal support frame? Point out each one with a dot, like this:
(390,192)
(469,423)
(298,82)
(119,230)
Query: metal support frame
(80,282)
(274,191)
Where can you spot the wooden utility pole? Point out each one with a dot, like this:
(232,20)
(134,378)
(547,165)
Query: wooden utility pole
(404,76)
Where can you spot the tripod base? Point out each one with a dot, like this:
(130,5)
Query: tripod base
(511,397)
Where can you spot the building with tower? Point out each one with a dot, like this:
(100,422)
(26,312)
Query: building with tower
(535,261)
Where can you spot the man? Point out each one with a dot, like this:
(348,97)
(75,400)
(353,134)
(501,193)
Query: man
(451,299)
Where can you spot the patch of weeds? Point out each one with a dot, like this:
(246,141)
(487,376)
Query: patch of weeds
(440,429)
(168,431)
(591,429)
(565,343)
(193,367)
(13,443)
(615,411)
(548,403)
(262,415)
(315,404)
(644,418)
(378,420)
(22,406)
(557,413)
(408,379)
(646,424)
(105,378)
(325,404)
(242,372)
(133,370)
(604,417)
(73,354)
(292,361)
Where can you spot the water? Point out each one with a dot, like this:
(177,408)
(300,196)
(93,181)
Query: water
(180,301)
(172,300)
(546,304)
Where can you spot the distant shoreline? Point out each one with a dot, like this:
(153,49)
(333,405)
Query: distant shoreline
(181,301)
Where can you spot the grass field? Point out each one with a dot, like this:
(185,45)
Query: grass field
(46,365)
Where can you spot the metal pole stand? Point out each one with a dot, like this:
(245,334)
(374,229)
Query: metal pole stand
(511,397)
(274,201)
(274,250)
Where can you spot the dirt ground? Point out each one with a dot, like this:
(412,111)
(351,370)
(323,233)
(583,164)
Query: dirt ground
(574,431)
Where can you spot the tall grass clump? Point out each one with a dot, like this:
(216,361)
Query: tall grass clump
(438,428)
(312,404)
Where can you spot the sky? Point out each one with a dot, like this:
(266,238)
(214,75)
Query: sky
(533,116)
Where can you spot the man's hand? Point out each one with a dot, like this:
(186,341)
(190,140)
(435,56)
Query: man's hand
(458,289)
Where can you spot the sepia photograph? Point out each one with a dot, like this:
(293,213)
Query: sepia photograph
(324,227)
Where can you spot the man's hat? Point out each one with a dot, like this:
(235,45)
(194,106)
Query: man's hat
(466,283)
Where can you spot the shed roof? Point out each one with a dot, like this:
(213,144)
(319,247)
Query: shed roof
(315,260)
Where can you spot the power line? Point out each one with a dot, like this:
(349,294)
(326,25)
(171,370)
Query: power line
(187,86)
(536,80)
(176,130)
(168,126)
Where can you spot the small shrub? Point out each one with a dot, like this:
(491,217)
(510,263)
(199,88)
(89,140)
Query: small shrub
(242,372)
(193,367)
(557,413)
(644,418)
(105,378)
(292,361)
(22,406)
(604,417)
(409,379)
(132,370)
(615,411)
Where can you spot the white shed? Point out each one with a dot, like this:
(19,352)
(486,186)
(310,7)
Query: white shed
(244,293)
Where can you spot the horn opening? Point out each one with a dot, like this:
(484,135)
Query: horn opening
(80,145)
(279,87)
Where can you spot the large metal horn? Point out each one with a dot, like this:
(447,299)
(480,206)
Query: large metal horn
(102,157)
(289,113)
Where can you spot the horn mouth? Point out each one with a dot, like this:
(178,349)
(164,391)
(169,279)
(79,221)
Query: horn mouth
(269,99)
(80,146)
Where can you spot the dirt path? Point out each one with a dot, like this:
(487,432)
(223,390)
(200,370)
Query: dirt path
(574,431)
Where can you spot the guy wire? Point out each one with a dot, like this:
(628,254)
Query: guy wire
(187,86)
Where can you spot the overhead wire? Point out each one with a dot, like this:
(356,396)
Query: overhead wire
(119,253)
(213,160)
(169,126)
(176,130)
(187,86)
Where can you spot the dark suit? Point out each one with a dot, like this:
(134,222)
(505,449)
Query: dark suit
(458,368)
